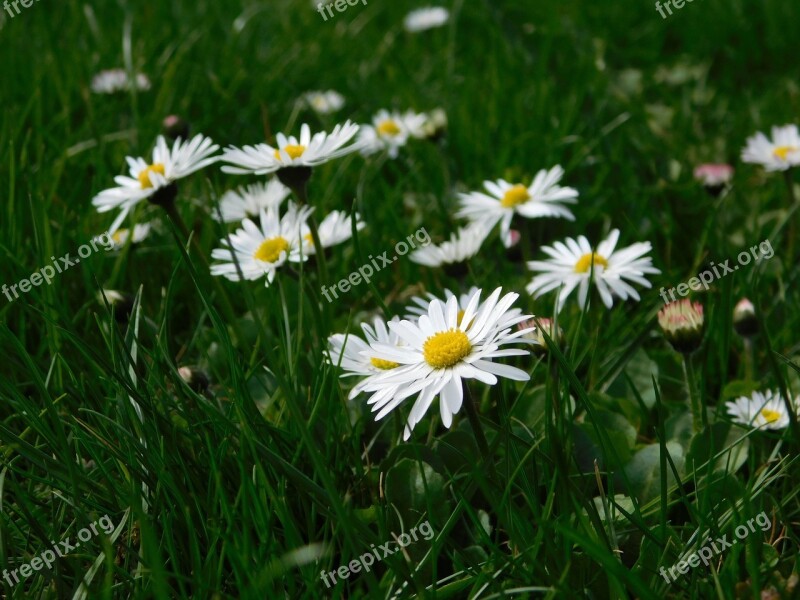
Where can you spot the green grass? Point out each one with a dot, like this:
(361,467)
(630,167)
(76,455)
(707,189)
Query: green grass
(272,476)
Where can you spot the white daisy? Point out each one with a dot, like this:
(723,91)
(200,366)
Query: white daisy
(261,249)
(779,154)
(767,410)
(462,246)
(168,165)
(117,80)
(324,103)
(390,131)
(440,350)
(308,151)
(574,264)
(334,229)
(420,306)
(425,18)
(543,198)
(435,123)
(248,201)
(140,232)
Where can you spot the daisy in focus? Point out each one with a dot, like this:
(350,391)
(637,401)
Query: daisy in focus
(390,131)
(149,180)
(117,80)
(334,229)
(426,18)
(682,323)
(324,103)
(767,410)
(573,264)
(780,153)
(121,236)
(542,198)
(462,246)
(247,202)
(440,350)
(260,250)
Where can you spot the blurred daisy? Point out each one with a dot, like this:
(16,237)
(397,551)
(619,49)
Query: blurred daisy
(714,177)
(249,201)
(462,246)
(147,179)
(779,154)
(435,123)
(140,232)
(307,151)
(439,351)
(425,18)
(324,103)
(261,250)
(390,131)
(543,198)
(767,410)
(334,229)
(117,80)
(574,264)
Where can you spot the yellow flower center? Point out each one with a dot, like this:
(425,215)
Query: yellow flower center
(515,196)
(585,262)
(383,365)
(309,239)
(446,348)
(117,236)
(782,152)
(144,175)
(270,250)
(770,415)
(389,128)
(293,150)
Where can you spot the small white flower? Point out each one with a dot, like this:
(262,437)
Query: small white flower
(168,165)
(426,18)
(334,229)
(140,232)
(249,201)
(420,306)
(117,80)
(543,198)
(390,131)
(324,103)
(779,154)
(308,151)
(462,246)
(440,350)
(435,123)
(767,410)
(261,250)
(574,264)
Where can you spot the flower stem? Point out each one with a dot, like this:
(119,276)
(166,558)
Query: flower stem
(475,422)
(301,191)
(792,202)
(695,403)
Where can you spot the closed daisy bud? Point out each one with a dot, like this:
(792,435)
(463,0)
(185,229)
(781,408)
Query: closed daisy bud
(682,324)
(744,318)
(549,327)
(714,177)
(195,378)
(175,127)
(121,303)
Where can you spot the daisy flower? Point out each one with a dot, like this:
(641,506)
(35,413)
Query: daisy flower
(425,18)
(334,229)
(767,410)
(149,178)
(249,201)
(779,154)
(117,80)
(435,123)
(260,250)
(462,246)
(420,306)
(121,236)
(390,131)
(574,264)
(542,198)
(324,103)
(682,323)
(307,151)
(440,350)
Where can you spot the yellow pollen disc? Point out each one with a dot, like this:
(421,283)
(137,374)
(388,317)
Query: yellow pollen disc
(117,237)
(782,152)
(383,365)
(446,349)
(585,262)
(389,128)
(309,238)
(270,250)
(144,176)
(515,196)
(770,415)
(294,151)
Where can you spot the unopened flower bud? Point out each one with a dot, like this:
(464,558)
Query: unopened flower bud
(682,323)
(196,379)
(120,302)
(744,318)
(714,177)
(174,127)
(556,334)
